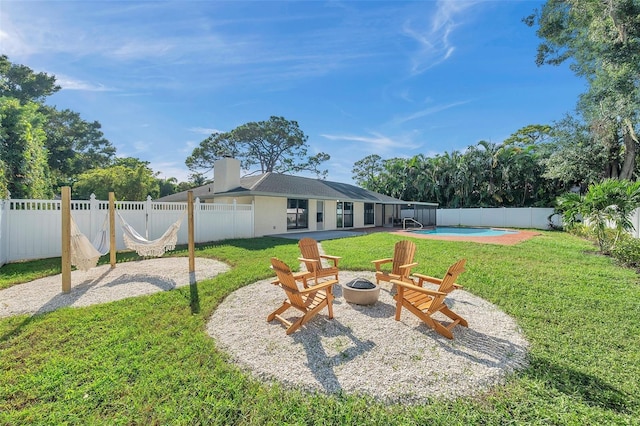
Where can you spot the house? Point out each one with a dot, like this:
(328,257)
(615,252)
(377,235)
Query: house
(286,203)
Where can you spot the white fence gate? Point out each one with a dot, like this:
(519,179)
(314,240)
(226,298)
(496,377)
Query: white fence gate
(31,229)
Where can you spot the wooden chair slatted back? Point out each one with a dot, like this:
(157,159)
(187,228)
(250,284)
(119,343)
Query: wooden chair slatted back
(403,254)
(309,250)
(288,283)
(451,276)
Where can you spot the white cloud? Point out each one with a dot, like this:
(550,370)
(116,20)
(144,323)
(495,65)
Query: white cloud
(378,141)
(428,111)
(434,44)
(71,84)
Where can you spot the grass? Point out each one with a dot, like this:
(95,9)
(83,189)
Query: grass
(148,360)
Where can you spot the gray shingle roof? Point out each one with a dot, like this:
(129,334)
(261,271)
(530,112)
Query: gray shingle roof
(281,185)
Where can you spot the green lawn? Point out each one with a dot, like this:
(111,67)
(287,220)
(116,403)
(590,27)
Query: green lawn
(148,360)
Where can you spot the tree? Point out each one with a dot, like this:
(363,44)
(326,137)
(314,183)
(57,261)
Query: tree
(574,158)
(167,186)
(603,40)
(22,150)
(608,203)
(20,82)
(74,145)
(366,172)
(130,179)
(277,145)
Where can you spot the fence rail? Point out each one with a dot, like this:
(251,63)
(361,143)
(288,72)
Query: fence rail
(31,229)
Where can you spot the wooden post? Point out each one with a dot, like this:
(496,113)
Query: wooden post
(192,261)
(112,229)
(65,210)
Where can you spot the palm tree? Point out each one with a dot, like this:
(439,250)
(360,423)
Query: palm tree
(606,205)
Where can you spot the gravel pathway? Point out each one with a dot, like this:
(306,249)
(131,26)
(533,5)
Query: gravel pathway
(103,284)
(364,350)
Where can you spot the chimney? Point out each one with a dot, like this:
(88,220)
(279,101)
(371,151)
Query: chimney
(226,174)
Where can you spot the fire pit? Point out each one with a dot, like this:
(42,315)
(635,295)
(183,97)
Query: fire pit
(361,292)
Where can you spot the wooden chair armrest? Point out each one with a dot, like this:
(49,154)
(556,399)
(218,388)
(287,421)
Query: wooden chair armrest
(335,259)
(298,276)
(386,260)
(427,278)
(419,289)
(315,263)
(317,287)
(433,280)
(409,265)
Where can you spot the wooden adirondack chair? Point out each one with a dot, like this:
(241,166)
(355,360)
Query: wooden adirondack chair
(313,260)
(447,283)
(424,303)
(401,263)
(309,301)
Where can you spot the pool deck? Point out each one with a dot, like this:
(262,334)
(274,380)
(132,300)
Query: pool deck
(506,239)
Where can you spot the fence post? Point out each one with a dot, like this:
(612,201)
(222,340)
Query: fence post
(148,216)
(191,245)
(66,238)
(3,231)
(253,224)
(196,219)
(235,212)
(93,216)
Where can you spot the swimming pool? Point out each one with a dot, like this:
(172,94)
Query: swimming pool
(465,232)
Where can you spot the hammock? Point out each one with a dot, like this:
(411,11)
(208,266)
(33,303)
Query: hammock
(84,254)
(101,241)
(144,247)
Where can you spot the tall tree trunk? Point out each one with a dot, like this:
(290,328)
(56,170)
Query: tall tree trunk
(630,150)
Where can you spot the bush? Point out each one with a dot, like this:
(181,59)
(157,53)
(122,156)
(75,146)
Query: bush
(627,251)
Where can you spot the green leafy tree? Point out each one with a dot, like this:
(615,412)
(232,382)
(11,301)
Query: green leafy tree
(22,150)
(74,145)
(277,145)
(129,178)
(20,82)
(366,172)
(574,157)
(602,39)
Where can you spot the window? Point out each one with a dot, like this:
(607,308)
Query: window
(368,214)
(297,213)
(344,215)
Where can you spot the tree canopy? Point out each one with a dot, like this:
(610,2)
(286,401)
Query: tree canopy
(276,145)
(601,39)
(20,82)
(130,178)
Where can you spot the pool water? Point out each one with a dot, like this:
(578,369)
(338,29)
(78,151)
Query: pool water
(465,232)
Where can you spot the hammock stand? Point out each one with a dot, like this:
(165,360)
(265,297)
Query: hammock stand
(79,251)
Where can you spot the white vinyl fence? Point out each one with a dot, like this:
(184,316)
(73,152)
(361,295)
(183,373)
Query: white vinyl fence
(526,217)
(31,229)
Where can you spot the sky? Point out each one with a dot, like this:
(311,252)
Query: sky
(391,78)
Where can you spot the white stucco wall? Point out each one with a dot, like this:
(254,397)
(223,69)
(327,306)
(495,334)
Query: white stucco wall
(270,216)
(358,215)
(330,214)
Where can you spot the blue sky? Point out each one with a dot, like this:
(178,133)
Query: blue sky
(360,77)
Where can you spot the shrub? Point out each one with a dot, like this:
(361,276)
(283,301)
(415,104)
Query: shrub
(627,252)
